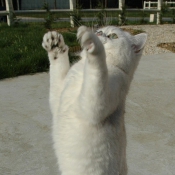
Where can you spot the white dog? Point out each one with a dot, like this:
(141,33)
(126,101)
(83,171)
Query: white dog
(88,99)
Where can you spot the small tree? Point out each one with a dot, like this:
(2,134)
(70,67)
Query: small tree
(164,10)
(102,14)
(55,4)
(49,18)
(76,14)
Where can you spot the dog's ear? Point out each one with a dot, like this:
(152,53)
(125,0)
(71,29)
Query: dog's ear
(140,41)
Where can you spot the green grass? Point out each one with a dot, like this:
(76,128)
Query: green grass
(58,15)
(21,50)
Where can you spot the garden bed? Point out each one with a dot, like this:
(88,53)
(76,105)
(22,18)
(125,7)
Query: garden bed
(168,46)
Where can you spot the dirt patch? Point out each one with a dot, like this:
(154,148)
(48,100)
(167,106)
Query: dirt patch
(168,46)
(62,30)
(133,31)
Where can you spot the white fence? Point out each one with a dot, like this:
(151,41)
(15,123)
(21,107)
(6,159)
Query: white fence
(154,5)
(9,11)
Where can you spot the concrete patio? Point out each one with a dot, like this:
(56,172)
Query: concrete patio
(25,122)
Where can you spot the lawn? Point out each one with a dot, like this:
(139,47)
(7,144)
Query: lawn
(21,50)
(58,15)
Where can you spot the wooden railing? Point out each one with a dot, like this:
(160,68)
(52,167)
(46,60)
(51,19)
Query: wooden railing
(16,12)
(10,17)
(154,5)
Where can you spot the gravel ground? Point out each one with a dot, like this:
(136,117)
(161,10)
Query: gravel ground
(156,34)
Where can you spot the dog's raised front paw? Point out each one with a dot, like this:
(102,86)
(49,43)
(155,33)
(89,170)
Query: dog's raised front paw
(53,40)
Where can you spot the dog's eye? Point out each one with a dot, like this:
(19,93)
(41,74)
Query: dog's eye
(113,36)
(100,33)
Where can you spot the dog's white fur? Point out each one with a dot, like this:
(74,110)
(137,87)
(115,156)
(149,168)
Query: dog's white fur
(87,100)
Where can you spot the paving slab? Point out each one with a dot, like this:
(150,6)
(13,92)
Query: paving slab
(150,117)
(25,122)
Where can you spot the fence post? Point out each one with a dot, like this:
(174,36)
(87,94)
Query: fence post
(9,8)
(149,5)
(72,4)
(144,6)
(18,7)
(159,15)
(121,6)
(2,3)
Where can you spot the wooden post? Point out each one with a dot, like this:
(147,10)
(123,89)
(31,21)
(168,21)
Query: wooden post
(72,4)
(9,8)
(144,6)
(105,4)
(18,7)
(2,3)
(121,6)
(149,7)
(90,4)
(55,4)
(159,15)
